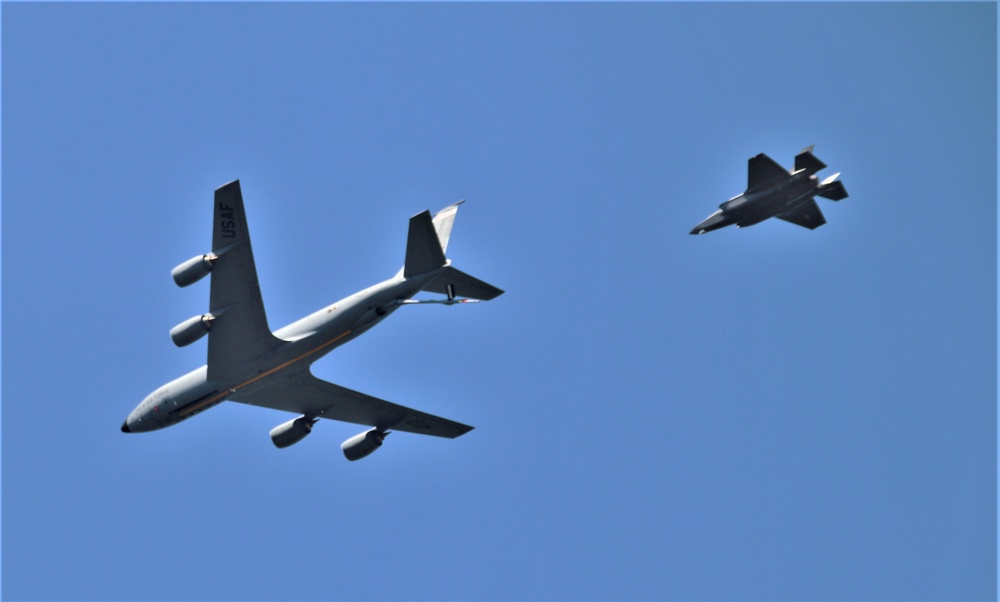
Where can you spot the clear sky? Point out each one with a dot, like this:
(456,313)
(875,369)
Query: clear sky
(769,413)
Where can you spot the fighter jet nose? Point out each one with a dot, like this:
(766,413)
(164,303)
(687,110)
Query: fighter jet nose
(125,428)
(712,222)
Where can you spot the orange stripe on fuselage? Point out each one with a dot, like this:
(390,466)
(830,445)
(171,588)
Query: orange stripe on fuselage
(188,411)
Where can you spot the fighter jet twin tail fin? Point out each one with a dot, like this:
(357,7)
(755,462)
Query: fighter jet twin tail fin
(807,161)
(828,188)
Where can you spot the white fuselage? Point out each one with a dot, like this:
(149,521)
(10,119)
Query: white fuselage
(307,340)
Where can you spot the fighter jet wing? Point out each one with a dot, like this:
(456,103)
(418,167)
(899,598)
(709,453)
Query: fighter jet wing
(807,216)
(762,170)
(240,332)
(305,394)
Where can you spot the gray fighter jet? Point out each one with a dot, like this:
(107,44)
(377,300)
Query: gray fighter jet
(250,364)
(773,192)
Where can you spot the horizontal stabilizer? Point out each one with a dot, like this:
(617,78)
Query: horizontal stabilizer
(808,162)
(423,247)
(834,191)
(807,216)
(456,283)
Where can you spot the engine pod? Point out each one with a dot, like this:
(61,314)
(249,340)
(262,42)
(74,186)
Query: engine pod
(193,269)
(191,330)
(363,444)
(291,432)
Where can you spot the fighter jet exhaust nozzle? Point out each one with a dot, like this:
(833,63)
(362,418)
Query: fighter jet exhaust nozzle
(193,269)
(292,431)
(191,330)
(363,444)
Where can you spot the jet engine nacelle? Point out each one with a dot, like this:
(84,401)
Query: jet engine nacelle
(191,330)
(361,445)
(193,269)
(292,431)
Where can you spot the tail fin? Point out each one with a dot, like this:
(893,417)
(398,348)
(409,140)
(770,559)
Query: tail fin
(428,240)
(807,161)
(443,222)
(425,247)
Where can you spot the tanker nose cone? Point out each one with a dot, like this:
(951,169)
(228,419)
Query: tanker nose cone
(125,428)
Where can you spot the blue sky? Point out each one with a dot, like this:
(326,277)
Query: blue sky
(770,413)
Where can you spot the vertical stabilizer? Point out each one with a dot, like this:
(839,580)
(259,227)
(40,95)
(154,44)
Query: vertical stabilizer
(807,161)
(443,222)
(423,247)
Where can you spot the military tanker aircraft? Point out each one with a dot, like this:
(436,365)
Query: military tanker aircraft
(774,192)
(247,363)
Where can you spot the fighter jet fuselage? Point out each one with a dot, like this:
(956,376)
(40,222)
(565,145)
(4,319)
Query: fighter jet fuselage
(774,192)
(753,207)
